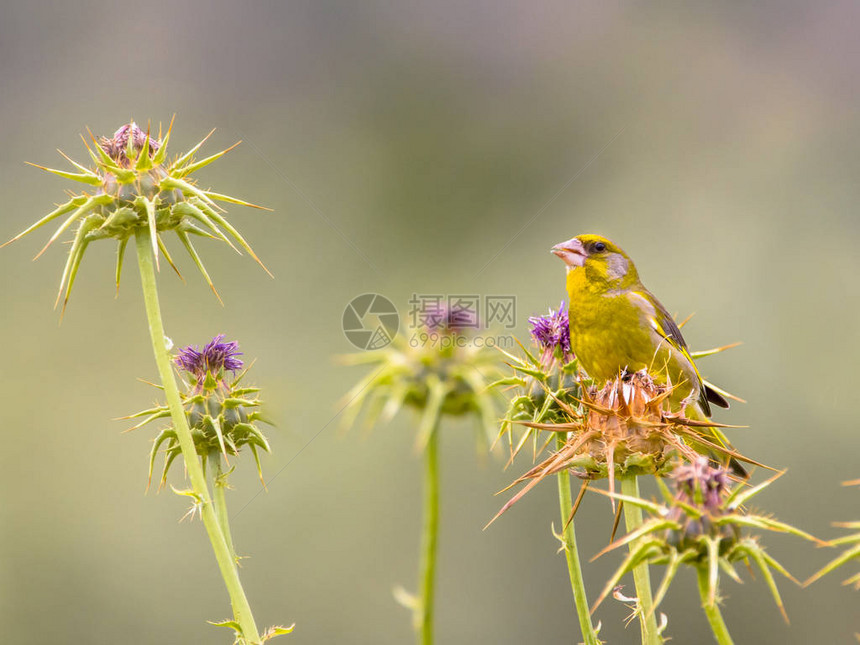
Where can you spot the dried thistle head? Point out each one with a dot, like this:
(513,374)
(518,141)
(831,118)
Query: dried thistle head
(222,413)
(440,371)
(702,524)
(134,189)
(624,428)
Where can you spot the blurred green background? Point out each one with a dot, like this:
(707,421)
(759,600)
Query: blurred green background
(433,148)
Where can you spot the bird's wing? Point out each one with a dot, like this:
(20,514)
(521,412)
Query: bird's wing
(665,326)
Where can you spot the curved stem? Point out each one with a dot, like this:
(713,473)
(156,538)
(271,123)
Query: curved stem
(429,537)
(641,575)
(241,607)
(574,568)
(715,616)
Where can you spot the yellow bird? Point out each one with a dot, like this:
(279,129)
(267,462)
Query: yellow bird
(617,325)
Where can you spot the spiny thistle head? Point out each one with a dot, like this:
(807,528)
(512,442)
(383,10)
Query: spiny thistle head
(439,371)
(222,414)
(137,191)
(703,523)
(699,503)
(624,428)
(701,483)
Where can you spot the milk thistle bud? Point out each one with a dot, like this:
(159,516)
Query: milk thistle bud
(221,413)
(702,524)
(440,371)
(135,186)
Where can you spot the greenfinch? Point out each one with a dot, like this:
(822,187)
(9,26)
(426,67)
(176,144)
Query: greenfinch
(618,326)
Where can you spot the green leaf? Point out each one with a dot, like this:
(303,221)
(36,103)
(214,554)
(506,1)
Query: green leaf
(76,255)
(432,412)
(71,205)
(765,523)
(120,256)
(84,209)
(762,561)
(197,211)
(144,161)
(640,554)
(241,240)
(740,495)
(194,167)
(164,435)
(846,556)
(87,177)
(187,156)
(277,630)
(186,242)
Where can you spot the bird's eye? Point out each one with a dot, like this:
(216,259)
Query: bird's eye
(599,246)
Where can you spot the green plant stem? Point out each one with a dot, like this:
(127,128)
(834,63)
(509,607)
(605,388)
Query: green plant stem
(715,616)
(641,575)
(226,563)
(574,568)
(219,486)
(429,537)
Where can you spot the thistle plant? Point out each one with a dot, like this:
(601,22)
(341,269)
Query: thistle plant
(623,430)
(544,390)
(439,373)
(222,415)
(137,193)
(702,524)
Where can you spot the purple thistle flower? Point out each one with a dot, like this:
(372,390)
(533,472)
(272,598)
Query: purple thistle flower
(704,488)
(115,146)
(700,484)
(552,332)
(216,356)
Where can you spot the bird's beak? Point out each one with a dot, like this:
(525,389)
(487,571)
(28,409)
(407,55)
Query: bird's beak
(572,253)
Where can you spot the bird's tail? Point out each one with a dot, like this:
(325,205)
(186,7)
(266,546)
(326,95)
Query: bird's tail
(715,436)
